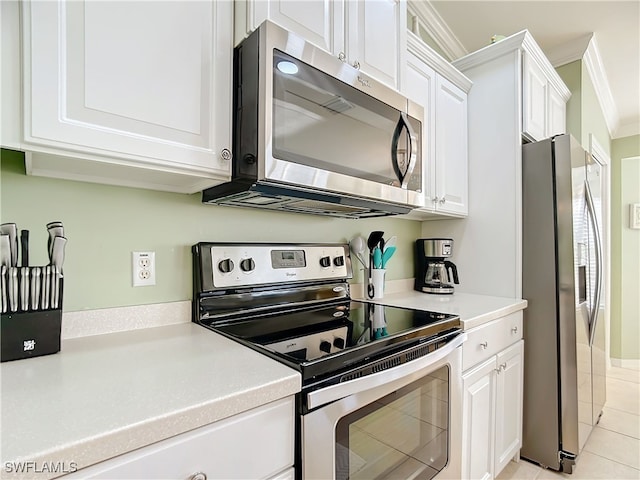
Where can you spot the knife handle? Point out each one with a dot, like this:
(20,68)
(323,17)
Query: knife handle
(4,300)
(24,247)
(35,288)
(24,289)
(13,289)
(46,286)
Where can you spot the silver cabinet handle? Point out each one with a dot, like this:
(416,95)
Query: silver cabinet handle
(442,200)
(514,330)
(434,199)
(342,57)
(484,345)
(356,65)
(225,154)
(198,476)
(503,366)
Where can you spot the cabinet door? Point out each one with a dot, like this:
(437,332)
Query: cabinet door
(556,108)
(451,148)
(509,388)
(374,30)
(145,82)
(264,435)
(419,84)
(317,21)
(478,421)
(534,99)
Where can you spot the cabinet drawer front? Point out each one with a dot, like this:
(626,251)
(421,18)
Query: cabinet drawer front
(220,450)
(490,338)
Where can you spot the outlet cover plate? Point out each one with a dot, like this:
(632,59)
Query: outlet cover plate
(143,268)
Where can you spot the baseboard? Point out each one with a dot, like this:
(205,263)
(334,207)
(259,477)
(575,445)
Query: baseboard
(632,363)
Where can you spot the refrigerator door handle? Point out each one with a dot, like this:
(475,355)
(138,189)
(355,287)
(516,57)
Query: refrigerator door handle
(596,295)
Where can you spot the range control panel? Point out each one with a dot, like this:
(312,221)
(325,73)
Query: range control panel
(249,265)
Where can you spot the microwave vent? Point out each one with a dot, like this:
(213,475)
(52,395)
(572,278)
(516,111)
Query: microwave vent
(338,105)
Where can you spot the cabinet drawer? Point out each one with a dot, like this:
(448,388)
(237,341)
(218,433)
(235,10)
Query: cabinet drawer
(220,450)
(490,338)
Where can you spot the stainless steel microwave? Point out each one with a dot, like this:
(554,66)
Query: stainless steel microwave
(313,134)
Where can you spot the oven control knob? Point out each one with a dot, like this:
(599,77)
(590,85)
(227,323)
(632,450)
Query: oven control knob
(226,265)
(325,346)
(247,265)
(325,261)
(338,261)
(338,343)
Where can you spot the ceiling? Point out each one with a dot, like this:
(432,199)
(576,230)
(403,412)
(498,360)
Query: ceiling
(563,30)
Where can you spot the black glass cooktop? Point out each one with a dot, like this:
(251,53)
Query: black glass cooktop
(322,341)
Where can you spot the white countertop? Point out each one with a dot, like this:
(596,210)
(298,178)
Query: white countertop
(474,310)
(105,395)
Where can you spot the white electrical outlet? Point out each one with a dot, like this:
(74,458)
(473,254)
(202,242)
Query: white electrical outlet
(143,268)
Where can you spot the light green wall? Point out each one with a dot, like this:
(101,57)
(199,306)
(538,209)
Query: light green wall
(104,224)
(593,121)
(625,249)
(571,75)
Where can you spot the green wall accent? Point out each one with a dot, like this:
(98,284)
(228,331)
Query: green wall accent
(104,224)
(571,75)
(625,249)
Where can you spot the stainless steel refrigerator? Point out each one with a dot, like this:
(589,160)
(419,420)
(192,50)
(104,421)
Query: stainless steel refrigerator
(564,340)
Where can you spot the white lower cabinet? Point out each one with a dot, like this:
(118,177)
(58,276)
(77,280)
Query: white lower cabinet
(258,444)
(492,400)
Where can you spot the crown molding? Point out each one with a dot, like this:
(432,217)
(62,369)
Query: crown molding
(438,29)
(595,68)
(425,53)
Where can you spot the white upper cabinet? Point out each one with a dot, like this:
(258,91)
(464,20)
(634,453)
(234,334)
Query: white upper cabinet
(451,149)
(441,90)
(534,98)
(129,93)
(543,107)
(374,33)
(369,35)
(317,21)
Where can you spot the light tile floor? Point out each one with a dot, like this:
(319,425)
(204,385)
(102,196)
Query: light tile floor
(613,450)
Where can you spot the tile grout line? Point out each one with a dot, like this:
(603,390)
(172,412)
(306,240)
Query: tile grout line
(599,455)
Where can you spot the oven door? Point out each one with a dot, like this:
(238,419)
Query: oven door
(403,422)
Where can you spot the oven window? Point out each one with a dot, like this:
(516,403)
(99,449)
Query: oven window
(403,435)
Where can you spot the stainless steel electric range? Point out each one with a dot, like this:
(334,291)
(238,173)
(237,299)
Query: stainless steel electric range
(292,303)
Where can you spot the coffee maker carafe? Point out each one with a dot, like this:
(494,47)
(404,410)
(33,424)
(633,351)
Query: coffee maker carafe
(435,274)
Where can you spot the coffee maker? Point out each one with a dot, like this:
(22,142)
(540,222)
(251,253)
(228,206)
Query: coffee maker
(435,274)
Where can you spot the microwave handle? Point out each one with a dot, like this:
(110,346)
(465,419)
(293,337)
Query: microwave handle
(403,122)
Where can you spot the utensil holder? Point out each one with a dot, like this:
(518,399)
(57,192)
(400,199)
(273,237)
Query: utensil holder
(26,334)
(377,277)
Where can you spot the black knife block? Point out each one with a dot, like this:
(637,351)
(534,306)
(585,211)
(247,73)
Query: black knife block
(29,334)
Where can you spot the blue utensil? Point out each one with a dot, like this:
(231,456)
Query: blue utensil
(386,255)
(377,258)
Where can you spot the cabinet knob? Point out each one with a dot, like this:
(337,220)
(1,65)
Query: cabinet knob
(356,65)
(442,200)
(198,476)
(434,199)
(225,154)
(514,330)
(503,366)
(342,57)
(484,345)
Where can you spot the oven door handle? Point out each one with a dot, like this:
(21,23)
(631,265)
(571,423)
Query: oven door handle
(341,390)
